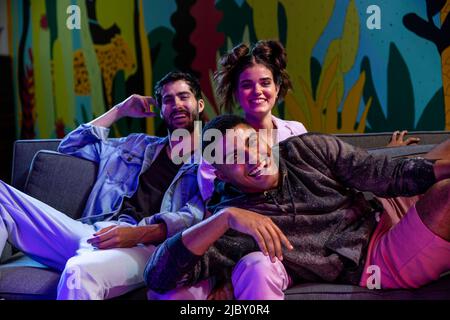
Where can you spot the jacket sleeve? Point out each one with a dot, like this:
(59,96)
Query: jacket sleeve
(356,168)
(90,142)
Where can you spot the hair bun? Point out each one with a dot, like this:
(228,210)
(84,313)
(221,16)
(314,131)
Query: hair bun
(271,51)
(230,59)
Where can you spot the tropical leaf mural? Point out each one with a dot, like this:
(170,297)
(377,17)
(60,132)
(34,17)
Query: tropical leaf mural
(206,41)
(342,81)
(318,102)
(439,36)
(400,103)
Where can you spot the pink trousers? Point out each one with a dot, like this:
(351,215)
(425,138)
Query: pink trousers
(254,277)
(405,252)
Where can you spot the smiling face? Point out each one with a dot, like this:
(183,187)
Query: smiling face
(179,107)
(256,91)
(248,162)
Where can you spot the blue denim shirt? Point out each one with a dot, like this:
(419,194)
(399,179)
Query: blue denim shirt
(120,163)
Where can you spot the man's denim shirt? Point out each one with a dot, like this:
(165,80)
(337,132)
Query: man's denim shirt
(120,163)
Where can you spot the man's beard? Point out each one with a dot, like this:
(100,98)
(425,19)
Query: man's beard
(189,125)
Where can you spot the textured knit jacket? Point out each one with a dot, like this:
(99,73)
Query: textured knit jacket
(318,204)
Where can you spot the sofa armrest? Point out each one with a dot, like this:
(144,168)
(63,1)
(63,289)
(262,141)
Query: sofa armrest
(61,181)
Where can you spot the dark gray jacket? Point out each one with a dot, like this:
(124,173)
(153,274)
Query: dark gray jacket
(318,204)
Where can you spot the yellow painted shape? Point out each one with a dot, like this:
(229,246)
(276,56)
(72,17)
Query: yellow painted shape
(351,104)
(45,119)
(14,31)
(265,18)
(295,109)
(81,79)
(332,106)
(63,68)
(306,21)
(314,110)
(146,64)
(64,106)
(346,47)
(349,42)
(328,76)
(113,57)
(121,13)
(92,65)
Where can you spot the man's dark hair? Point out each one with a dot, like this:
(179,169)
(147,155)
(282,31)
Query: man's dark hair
(222,123)
(173,76)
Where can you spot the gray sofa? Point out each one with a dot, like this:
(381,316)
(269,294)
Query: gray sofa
(64,182)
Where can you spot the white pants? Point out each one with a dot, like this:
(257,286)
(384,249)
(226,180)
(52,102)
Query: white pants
(56,240)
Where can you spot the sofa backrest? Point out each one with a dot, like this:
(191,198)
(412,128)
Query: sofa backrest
(381,139)
(41,177)
(404,151)
(62,181)
(23,153)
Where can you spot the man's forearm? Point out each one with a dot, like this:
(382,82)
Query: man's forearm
(201,236)
(107,119)
(153,233)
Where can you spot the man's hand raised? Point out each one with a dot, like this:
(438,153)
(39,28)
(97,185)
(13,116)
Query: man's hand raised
(136,106)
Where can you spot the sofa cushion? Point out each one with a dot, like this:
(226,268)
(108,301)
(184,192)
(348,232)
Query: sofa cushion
(22,278)
(61,181)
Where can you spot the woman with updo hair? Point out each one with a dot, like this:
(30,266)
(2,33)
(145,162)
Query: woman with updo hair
(254,78)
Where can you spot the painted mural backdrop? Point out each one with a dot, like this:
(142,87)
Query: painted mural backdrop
(347,76)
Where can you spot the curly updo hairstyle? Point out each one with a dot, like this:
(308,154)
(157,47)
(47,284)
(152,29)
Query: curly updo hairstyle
(269,53)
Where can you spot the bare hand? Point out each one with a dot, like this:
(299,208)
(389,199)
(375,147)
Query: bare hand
(116,237)
(265,232)
(397,139)
(222,292)
(136,106)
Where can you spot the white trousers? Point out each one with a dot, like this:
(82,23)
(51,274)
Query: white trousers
(60,242)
